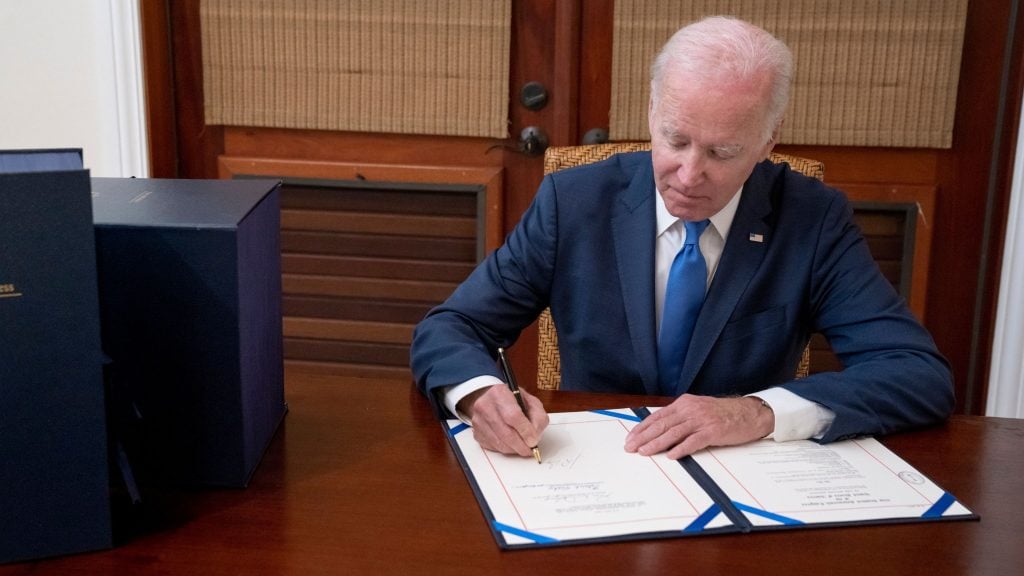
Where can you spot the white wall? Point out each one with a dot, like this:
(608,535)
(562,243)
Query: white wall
(70,77)
(1006,380)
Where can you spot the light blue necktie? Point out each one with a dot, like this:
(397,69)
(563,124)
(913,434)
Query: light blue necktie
(684,295)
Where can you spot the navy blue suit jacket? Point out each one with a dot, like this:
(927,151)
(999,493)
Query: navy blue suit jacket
(794,263)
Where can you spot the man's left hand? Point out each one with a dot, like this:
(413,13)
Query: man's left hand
(692,422)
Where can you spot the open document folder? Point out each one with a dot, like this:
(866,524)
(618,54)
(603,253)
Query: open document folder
(589,489)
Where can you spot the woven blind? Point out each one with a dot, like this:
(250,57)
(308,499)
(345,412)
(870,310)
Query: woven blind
(868,72)
(415,67)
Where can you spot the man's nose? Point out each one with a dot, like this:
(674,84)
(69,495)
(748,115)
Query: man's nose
(691,167)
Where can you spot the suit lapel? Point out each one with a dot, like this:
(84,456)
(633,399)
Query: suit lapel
(633,227)
(740,260)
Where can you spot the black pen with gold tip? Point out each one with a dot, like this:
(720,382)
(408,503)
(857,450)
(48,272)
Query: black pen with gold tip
(510,379)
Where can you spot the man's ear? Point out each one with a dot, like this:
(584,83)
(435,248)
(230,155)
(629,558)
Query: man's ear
(772,140)
(650,116)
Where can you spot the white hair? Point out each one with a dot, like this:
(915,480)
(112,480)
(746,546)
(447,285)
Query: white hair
(726,48)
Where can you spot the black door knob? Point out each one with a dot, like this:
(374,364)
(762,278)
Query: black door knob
(533,96)
(595,136)
(533,141)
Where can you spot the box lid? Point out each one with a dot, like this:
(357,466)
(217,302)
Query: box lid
(40,160)
(174,203)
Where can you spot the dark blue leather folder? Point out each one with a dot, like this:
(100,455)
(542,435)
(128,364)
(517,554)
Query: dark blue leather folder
(54,489)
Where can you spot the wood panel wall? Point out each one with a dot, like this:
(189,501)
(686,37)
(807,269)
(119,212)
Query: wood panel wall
(362,265)
(367,250)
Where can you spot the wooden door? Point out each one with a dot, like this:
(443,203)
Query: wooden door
(376,228)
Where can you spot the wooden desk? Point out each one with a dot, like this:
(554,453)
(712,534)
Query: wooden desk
(361,480)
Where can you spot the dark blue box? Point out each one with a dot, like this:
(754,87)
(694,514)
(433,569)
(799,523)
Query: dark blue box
(54,481)
(190,300)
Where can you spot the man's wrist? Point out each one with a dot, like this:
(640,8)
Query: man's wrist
(796,418)
(465,405)
(453,395)
(764,417)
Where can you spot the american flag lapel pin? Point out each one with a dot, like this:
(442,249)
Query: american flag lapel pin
(756,237)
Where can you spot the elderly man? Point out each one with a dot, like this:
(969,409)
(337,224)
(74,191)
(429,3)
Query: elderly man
(698,270)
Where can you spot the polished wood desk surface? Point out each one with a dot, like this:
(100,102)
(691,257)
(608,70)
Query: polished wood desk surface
(361,480)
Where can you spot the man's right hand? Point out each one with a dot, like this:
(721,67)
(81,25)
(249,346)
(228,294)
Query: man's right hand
(498,422)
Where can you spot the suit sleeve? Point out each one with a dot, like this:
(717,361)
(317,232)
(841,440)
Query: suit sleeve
(893,377)
(458,339)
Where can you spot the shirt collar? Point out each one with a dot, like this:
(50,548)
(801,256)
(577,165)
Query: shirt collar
(722,220)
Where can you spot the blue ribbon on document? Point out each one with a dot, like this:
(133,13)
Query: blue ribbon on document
(940,506)
(701,522)
(630,417)
(524,533)
(766,514)
(459,428)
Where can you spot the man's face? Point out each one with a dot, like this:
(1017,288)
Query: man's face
(705,141)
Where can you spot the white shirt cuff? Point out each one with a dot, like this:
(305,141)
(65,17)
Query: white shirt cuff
(796,418)
(452,394)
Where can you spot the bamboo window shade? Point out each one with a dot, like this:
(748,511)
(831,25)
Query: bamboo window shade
(868,72)
(402,66)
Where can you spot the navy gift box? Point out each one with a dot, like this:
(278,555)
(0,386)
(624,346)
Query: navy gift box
(190,301)
(54,490)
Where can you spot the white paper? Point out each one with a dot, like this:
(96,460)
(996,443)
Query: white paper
(587,486)
(806,482)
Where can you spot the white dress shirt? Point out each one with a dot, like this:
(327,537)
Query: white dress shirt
(796,418)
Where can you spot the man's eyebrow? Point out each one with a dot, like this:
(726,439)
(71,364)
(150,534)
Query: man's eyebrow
(669,131)
(728,148)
